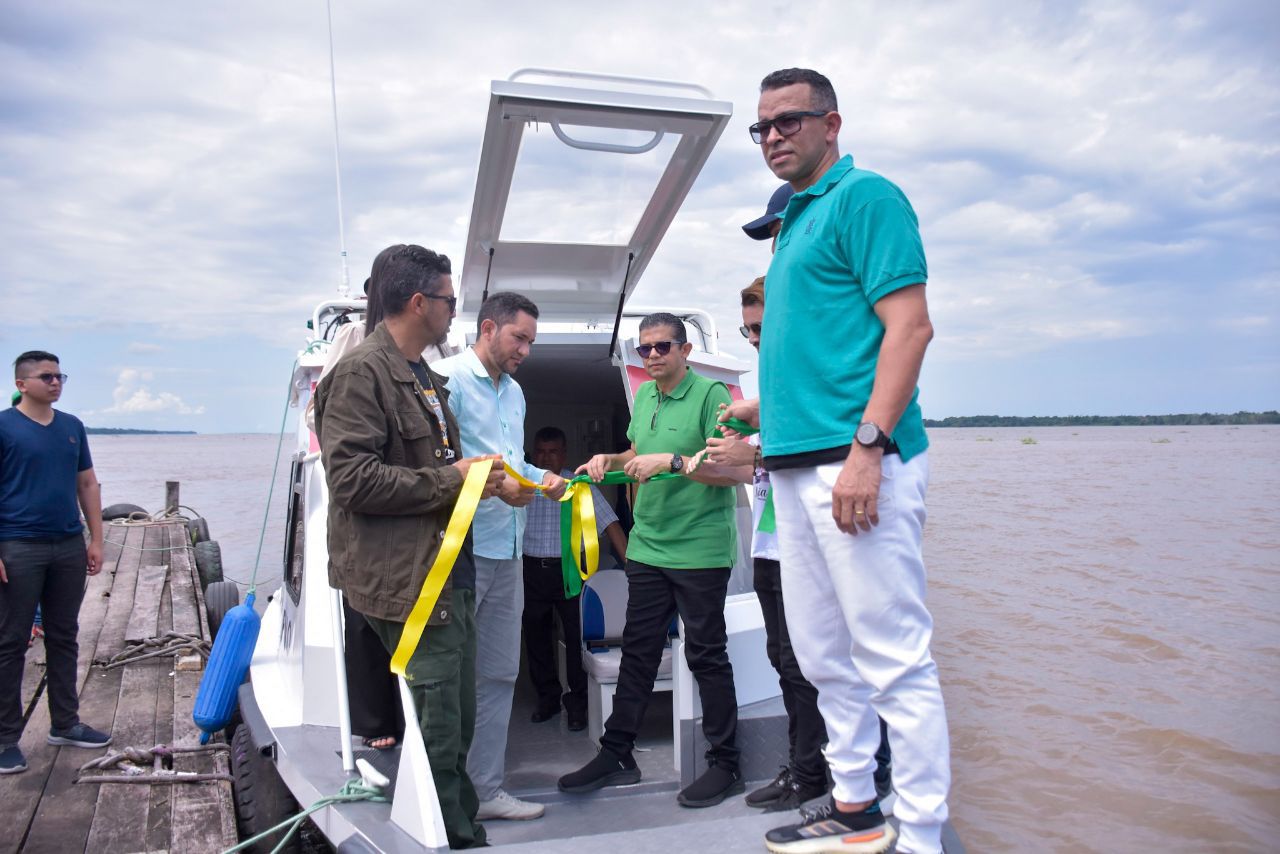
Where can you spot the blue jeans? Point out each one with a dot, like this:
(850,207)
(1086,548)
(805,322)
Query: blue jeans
(51,574)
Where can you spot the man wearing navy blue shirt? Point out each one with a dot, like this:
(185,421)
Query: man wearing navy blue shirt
(46,480)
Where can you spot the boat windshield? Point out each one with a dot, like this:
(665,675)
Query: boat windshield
(589,195)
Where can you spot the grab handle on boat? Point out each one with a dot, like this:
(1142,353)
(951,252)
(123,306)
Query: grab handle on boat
(609,147)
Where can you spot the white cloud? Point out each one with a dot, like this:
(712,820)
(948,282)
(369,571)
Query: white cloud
(132,397)
(1082,171)
(143,348)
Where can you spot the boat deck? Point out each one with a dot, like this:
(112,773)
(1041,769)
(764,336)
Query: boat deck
(148,587)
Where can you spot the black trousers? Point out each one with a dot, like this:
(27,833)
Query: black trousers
(544,602)
(655,595)
(805,727)
(50,573)
(372,692)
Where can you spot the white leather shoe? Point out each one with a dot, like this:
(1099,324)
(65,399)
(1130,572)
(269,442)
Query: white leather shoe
(504,806)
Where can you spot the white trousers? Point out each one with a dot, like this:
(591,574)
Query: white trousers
(860,629)
(499,605)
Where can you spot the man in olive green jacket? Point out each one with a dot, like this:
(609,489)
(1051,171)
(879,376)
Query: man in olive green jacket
(390,450)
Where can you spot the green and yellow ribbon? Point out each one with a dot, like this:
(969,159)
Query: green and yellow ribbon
(579,542)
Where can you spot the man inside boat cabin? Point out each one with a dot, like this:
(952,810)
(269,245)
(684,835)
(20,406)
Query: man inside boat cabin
(842,437)
(46,481)
(679,558)
(389,445)
(544,591)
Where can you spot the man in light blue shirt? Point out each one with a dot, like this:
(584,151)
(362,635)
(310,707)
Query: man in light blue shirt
(490,409)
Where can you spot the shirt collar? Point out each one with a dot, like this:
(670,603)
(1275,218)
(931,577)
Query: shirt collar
(829,178)
(472,361)
(682,389)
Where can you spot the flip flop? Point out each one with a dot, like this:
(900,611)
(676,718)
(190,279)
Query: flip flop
(379,742)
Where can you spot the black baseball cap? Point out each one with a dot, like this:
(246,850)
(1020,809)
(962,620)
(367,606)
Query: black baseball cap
(758,229)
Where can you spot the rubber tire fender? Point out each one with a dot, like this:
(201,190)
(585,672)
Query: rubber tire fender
(199,529)
(219,598)
(262,799)
(208,562)
(122,511)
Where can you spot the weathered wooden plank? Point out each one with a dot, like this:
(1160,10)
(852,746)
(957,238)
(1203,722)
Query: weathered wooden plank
(146,603)
(111,638)
(162,796)
(112,536)
(184,588)
(119,822)
(20,793)
(203,817)
(65,813)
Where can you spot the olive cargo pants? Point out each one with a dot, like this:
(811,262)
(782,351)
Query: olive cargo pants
(442,679)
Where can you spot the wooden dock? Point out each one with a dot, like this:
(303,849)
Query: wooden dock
(148,587)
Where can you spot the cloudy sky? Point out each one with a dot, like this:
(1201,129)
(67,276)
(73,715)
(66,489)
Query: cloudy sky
(1096,183)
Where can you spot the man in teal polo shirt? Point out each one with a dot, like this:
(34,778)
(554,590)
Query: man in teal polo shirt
(843,441)
(679,558)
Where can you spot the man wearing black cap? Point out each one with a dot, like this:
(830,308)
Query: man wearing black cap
(844,442)
(768,226)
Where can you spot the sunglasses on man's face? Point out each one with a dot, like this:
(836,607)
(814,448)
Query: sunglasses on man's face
(787,124)
(453,301)
(663,348)
(47,379)
(747,329)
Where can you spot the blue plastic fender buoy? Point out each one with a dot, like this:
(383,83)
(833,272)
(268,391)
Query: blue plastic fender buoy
(228,663)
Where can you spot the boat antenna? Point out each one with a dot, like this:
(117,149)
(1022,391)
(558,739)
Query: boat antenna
(344,289)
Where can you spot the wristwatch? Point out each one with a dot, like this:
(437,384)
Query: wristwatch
(870,435)
(677,463)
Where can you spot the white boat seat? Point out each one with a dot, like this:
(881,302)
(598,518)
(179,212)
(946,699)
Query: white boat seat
(604,615)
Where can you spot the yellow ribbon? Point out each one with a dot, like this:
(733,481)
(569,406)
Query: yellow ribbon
(454,535)
(577,492)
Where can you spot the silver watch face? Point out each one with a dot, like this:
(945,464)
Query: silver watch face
(867,434)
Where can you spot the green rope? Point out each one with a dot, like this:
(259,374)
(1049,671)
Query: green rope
(353,791)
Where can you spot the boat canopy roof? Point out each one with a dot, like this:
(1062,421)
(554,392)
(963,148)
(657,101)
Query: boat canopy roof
(579,180)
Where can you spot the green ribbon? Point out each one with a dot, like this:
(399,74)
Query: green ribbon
(573,576)
(768,522)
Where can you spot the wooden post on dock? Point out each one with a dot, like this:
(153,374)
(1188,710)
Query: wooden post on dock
(171,496)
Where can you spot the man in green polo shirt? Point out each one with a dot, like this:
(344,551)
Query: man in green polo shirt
(679,558)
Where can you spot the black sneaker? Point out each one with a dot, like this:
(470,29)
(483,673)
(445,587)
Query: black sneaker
(826,829)
(11,760)
(796,795)
(605,770)
(711,788)
(80,735)
(770,792)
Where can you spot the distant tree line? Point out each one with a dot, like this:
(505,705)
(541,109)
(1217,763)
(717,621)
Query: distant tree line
(129,431)
(1271,416)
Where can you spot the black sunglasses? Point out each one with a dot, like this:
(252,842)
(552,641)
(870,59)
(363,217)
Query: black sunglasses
(663,348)
(747,328)
(786,124)
(453,301)
(47,379)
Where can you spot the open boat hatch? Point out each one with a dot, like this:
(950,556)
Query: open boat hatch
(577,186)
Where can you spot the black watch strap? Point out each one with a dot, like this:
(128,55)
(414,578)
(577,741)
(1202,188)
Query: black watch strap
(677,463)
